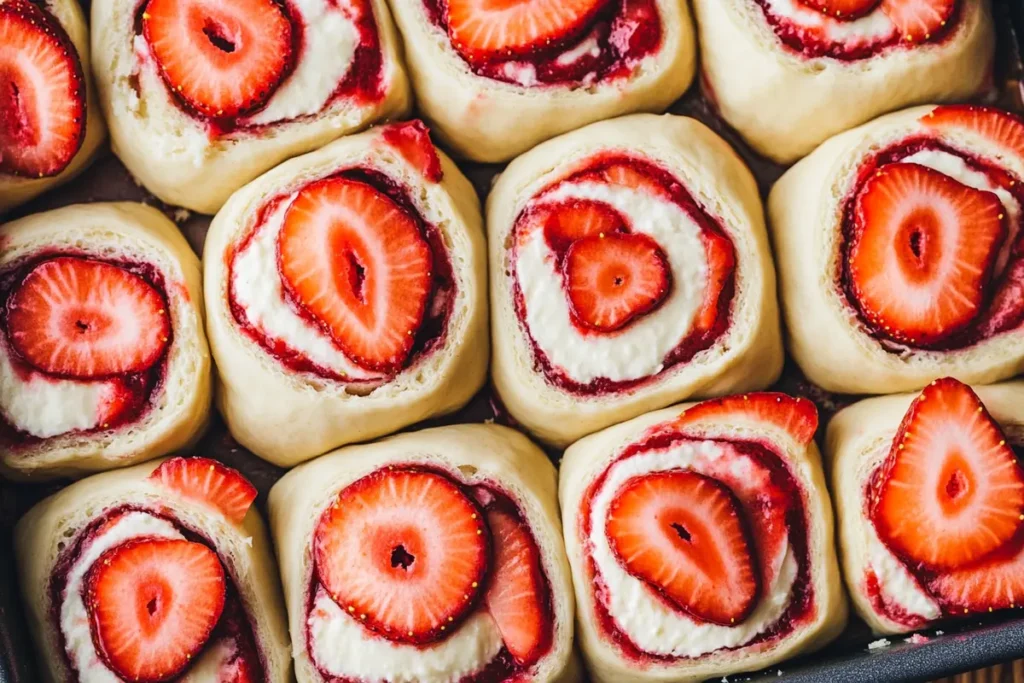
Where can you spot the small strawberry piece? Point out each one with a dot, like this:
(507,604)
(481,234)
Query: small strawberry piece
(951,490)
(404,551)
(517,597)
(81,318)
(797,417)
(1006,130)
(624,175)
(360,265)
(208,482)
(684,535)
(566,222)
(842,9)
(997,582)
(42,93)
(153,604)
(721,264)
(483,30)
(224,59)
(917,20)
(614,279)
(1006,310)
(922,253)
(117,401)
(412,140)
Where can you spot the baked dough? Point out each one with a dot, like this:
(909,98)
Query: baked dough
(748,355)
(287,417)
(784,104)
(474,454)
(857,441)
(805,207)
(172,154)
(180,405)
(588,458)
(52,525)
(483,119)
(15,190)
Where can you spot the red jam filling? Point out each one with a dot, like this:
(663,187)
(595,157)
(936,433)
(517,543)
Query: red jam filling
(783,492)
(704,332)
(432,331)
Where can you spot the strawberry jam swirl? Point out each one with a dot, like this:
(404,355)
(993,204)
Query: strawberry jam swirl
(852,30)
(730,570)
(84,343)
(549,42)
(619,275)
(449,585)
(215,645)
(932,250)
(343,279)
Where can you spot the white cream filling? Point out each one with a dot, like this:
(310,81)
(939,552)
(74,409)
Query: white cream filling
(874,26)
(638,350)
(588,46)
(343,647)
(896,584)
(649,623)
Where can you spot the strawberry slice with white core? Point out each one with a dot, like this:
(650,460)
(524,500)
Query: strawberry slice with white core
(42,93)
(412,140)
(208,482)
(842,9)
(996,582)
(1004,129)
(405,552)
(922,253)
(684,535)
(81,318)
(612,279)
(567,222)
(361,266)
(517,596)
(917,20)
(153,604)
(483,30)
(223,58)
(951,490)
(797,417)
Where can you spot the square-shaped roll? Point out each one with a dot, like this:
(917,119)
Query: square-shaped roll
(700,541)
(427,557)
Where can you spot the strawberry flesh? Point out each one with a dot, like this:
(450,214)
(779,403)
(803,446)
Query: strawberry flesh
(918,20)
(566,222)
(1004,129)
(412,140)
(208,482)
(797,417)
(842,9)
(996,582)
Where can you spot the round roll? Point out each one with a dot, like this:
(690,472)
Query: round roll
(930,498)
(495,79)
(788,74)
(630,269)
(700,541)
(202,96)
(899,251)
(51,125)
(346,295)
(103,358)
(428,557)
(153,573)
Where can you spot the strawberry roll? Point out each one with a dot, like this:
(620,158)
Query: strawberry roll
(202,96)
(630,269)
(153,573)
(700,540)
(788,74)
(103,358)
(495,78)
(930,498)
(346,295)
(51,127)
(429,557)
(901,254)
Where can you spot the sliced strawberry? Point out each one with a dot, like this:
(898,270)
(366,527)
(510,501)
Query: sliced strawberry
(922,253)
(613,279)
(360,265)
(224,59)
(951,490)
(797,417)
(405,552)
(997,582)
(208,482)
(517,598)
(566,222)
(684,535)
(412,140)
(1006,310)
(721,264)
(153,604)
(482,30)
(42,93)
(82,318)
(917,20)
(1001,127)
(624,175)
(842,9)
(117,400)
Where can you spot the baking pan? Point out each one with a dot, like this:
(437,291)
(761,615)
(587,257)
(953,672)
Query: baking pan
(856,656)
